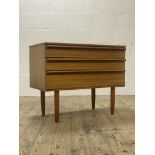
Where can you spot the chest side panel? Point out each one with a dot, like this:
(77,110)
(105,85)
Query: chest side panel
(37,67)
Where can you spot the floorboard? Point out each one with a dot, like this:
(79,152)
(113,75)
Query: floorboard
(81,130)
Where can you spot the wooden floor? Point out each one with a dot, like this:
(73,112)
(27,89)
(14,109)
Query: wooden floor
(81,130)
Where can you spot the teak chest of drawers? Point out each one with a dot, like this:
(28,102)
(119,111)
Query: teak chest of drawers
(63,66)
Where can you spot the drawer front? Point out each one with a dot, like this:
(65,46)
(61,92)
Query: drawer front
(84,68)
(84,65)
(85,53)
(77,80)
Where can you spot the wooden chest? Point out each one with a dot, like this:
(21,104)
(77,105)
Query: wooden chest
(73,66)
(62,66)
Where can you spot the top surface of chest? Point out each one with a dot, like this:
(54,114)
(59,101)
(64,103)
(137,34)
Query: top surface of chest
(49,45)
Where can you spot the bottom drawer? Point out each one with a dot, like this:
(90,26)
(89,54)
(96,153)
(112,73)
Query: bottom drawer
(84,80)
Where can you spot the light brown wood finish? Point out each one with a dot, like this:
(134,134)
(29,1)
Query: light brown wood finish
(84,80)
(85,53)
(37,67)
(47,58)
(112,100)
(64,66)
(42,96)
(81,131)
(68,65)
(93,97)
(56,105)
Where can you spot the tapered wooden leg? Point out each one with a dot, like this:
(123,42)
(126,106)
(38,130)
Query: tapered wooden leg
(56,105)
(42,96)
(112,100)
(93,97)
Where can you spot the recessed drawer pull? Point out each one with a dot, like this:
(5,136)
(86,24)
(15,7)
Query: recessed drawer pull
(48,59)
(81,71)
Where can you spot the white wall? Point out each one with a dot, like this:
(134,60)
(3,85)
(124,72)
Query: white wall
(79,21)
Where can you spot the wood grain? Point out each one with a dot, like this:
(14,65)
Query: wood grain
(85,53)
(37,67)
(84,80)
(62,66)
(81,131)
(85,65)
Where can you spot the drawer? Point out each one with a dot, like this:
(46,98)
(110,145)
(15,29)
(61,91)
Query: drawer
(85,53)
(84,65)
(60,81)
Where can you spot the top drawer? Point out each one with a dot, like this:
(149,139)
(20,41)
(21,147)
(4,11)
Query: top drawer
(85,53)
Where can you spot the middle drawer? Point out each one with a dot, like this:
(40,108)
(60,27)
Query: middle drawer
(65,65)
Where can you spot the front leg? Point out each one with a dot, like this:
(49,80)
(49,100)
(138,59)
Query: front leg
(42,97)
(112,100)
(93,97)
(56,105)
